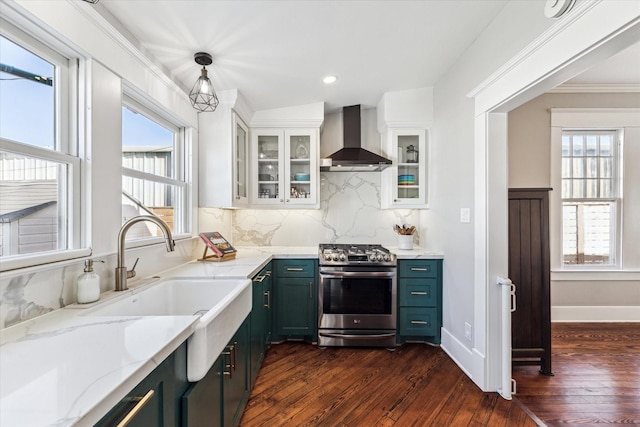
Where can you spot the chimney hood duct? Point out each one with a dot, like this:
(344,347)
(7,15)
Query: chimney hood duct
(354,158)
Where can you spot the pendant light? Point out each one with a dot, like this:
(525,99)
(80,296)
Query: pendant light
(203,96)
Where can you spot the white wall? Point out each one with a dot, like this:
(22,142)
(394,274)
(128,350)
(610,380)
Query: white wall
(453,175)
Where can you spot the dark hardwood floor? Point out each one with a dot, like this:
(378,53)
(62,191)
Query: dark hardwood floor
(597,376)
(302,385)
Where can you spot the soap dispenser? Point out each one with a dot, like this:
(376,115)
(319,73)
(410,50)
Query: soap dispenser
(88,286)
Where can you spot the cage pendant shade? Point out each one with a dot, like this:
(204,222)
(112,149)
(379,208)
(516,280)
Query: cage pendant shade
(203,96)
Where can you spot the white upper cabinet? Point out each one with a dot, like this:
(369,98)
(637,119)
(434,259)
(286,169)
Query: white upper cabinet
(285,167)
(404,118)
(285,151)
(224,154)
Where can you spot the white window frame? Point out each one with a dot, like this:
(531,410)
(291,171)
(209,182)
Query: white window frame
(68,71)
(615,200)
(180,177)
(584,118)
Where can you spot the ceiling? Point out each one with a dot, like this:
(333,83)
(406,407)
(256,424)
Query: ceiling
(277,52)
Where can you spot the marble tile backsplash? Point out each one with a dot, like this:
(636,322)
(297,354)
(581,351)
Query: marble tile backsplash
(349,213)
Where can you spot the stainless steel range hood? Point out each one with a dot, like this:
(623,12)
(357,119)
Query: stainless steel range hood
(352,157)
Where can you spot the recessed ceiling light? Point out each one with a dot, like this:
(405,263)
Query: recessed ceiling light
(329,80)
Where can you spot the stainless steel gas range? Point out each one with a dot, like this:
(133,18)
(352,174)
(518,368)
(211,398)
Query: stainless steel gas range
(357,296)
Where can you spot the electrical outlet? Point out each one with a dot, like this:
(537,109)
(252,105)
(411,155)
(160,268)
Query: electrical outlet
(465,215)
(467,331)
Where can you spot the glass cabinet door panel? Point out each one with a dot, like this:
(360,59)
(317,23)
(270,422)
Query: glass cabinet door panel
(299,147)
(408,181)
(268,166)
(242,156)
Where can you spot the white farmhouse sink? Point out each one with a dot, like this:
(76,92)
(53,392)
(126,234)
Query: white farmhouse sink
(221,304)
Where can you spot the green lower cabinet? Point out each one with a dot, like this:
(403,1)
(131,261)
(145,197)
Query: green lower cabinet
(156,400)
(235,376)
(220,397)
(419,300)
(260,319)
(201,403)
(295,289)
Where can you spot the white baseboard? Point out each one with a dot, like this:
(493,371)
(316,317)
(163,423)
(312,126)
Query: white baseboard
(595,314)
(470,361)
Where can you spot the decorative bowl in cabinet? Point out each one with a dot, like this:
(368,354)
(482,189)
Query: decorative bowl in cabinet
(301,177)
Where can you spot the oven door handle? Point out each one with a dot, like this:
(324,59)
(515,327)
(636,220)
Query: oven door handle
(340,274)
(356,336)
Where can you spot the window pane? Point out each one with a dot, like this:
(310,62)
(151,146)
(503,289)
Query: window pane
(587,233)
(578,168)
(566,145)
(566,188)
(146,145)
(578,145)
(566,167)
(144,197)
(578,190)
(605,145)
(606,167)
(592,188)
(592,145)
(27,97)
(31,210)
(606,188)
(592,167)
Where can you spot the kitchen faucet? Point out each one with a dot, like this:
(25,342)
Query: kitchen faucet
(121,270)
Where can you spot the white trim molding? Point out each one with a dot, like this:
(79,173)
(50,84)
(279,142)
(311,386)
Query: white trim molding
(595,117)
(596,88)
(601,314)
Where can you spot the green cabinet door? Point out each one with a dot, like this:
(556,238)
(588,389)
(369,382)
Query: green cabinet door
(258,323)
(296,307)
(155,401)
(201,403)
(235,383)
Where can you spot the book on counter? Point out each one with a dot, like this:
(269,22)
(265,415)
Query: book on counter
(218,244)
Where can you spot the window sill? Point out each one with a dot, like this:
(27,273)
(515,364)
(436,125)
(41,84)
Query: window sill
(42,259)
(594,275)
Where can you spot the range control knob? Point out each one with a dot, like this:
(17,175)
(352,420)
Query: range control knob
(327,257)
(342,257)
(379,257)
(387,257)
(335,257)
(372,257)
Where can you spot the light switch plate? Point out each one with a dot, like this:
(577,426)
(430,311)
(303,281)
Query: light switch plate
(465,215)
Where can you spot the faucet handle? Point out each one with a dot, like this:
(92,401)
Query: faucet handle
(132,273)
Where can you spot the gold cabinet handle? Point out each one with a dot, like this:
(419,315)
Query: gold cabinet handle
(230,365)
(295,269)
(419,322)
(134,411)
(268,295)
(419,269)
(418,293)
(259,279)
(310,290)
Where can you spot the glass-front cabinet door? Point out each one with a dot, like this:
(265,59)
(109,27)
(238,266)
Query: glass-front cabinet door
(241,161)
(285,167)
(301,157)
(409,174)
(268,167)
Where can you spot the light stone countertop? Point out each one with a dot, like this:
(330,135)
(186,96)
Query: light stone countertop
(67,369)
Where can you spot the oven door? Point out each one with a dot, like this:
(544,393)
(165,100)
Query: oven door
(353,298)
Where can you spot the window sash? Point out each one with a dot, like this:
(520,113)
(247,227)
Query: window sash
(174,178)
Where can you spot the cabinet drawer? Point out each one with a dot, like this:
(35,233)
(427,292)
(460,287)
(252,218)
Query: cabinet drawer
(419,292)
(419,268)
(418,321)
(295,268)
